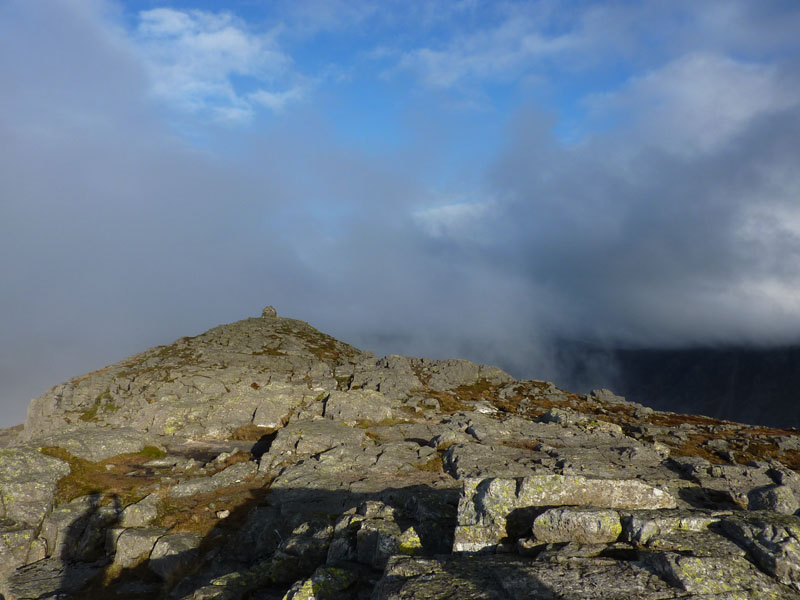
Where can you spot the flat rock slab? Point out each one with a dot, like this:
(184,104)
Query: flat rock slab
(494,577)
(96,444)
(27,482)
(49,578)
(490,510)
(203,485)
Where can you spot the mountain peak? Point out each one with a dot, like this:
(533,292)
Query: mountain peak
(264,459)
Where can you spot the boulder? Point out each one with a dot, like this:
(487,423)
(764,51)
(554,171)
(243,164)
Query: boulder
(492,510)
(582,525)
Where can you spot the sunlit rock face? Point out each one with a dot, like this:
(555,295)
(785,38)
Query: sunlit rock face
(265,459)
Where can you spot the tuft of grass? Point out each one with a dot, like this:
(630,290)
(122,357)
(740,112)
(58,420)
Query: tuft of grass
(152,453)
(434,465)
(110,477)
(251,433)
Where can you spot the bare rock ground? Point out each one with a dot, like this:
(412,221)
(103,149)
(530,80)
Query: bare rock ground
(264,459)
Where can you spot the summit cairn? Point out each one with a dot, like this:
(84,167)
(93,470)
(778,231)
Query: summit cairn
(264,459)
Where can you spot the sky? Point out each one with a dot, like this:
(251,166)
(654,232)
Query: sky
(468,178)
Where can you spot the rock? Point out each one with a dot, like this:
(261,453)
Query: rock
(503,577)
(772,542)
(203,485)
(142,513)
(174,554)
(727,577)
(27,483)
(582,525)
(491,509)
(47,579)
(133,546)
(96,444)
(269,312)
(642,525)
(359,405)
(327,583)
(777,498)
(382,478)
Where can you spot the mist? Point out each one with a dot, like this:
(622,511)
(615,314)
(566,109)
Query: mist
(657,209)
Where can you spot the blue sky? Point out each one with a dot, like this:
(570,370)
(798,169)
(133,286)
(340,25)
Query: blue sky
(450,178)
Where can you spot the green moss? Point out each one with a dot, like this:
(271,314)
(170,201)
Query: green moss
(103,403)
(152,452)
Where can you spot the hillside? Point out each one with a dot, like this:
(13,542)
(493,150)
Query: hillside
(265,460)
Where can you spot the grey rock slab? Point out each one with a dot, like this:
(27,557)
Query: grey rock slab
(463,461)
(47,579)
(495,577)
(133,546)
(726,577)
(575,524)
(174,554)
(302,439)
(776,498)
(772,541)
(203,485)
(15,546)
(94,443)
(141,513)
(27,482)
(640,526)
(326,583)
(359,405)
(491,509)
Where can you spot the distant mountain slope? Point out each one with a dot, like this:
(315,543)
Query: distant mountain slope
(750,385)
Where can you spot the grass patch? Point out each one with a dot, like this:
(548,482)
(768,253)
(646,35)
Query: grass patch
(251,433)
(197,514)
(152,453)
(110,477)
(434,465)
(103,403)
(366,423)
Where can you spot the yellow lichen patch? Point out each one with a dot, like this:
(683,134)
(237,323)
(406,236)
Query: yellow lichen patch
(122,477)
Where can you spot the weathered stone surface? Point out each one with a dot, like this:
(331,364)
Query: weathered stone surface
(133,546)
(142,513)
(487,577)
(772,541)
(326,583)
(366,469)
(203,485)
(492,509)
(174,554)
(47,579)
(582,525)
(96,444)
(777,498)
(727,577)
(27,482)
(15,547)
(359,405)
(640,526)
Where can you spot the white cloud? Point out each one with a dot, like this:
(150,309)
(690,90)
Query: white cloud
(454,220)
(495,53)
(194,56)
(696,103)
(277,101)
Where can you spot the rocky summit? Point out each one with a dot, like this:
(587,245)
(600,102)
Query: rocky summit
(266,460)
